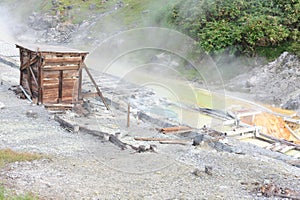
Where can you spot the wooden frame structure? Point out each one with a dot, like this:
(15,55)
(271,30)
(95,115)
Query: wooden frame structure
(52,75)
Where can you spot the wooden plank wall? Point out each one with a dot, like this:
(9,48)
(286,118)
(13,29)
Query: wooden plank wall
(29,74)
(61,77)
(51,77)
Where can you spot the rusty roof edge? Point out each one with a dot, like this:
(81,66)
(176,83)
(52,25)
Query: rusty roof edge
(49,48)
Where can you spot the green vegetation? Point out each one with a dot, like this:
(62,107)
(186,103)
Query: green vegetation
(255,27)
(128,11)
(9,156)
(249,26)
(6,195)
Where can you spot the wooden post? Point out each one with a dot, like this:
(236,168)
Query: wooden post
(39,68)
(80,79)
(41,92)
(60,86)
(80,84)
(21,65)
(67,124)
(128,115)
(96,86)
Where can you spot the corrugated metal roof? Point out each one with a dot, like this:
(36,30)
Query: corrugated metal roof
(49,48)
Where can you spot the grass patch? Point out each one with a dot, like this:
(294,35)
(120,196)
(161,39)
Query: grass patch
(10,156)
(7,195)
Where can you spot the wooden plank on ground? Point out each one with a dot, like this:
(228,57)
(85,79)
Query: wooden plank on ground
(175,128)
(287,149)
(150,139)
(177,132)
(164,140)
(71,126)
(182,142)
(260,135)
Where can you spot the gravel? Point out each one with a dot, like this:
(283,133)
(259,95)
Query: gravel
(81,166)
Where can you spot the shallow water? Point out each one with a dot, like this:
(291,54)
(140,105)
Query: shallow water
(171,86)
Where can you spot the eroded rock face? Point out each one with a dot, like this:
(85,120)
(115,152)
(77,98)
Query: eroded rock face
(51,29)
(277,83)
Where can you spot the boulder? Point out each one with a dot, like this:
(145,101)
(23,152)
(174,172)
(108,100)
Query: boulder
(292,104)
(251,82)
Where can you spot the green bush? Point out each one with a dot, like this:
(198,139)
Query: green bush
(247,25)
(295,48)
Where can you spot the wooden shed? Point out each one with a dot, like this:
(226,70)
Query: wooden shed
(51,75)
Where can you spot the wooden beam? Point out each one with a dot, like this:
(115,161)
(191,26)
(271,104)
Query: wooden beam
(21,64)
(150,139)
(175,128)
(58,67)
(183,142)
(113,139)
(41,76)
(80,80)
(96,86)
(26,94)
(30,62)
(128,115)
(96,133)
(63,59)
(28,81)
(39,68)
(33,76)
(59,105)
(60,86)
(164,140)
(297,146)
(287,149)
(67,124)
(292,132)
(177,132)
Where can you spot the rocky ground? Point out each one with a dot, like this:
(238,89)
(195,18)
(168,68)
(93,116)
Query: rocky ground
(82,166)
(276,83)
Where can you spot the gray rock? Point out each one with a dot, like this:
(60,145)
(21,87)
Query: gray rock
(251,82)
(208,170)
(198,139)
(2,105)
(197,172)
(92,6)
(292,104)
(31,114)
